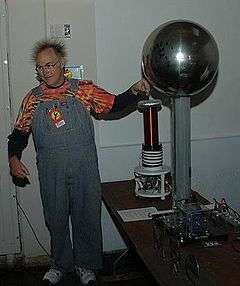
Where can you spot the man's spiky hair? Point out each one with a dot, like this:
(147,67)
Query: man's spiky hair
(54,44)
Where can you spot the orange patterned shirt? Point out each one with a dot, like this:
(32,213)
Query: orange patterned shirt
(93,98)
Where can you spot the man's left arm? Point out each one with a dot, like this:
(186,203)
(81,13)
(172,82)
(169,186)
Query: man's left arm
(99,101)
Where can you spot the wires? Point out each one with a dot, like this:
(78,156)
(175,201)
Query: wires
(31,227)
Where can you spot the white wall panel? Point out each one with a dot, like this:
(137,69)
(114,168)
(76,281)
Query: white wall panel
(26,26)
(9,231)
(82,44)
(122,28)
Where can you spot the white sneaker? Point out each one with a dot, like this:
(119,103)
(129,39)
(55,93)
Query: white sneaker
(87,277)
(53,276)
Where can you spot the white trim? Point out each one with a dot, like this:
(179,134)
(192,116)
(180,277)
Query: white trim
(219,137)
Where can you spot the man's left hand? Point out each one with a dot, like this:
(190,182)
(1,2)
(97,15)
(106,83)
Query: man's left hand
(141,86)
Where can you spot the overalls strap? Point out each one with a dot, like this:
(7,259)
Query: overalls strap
(74,84)
(37,91)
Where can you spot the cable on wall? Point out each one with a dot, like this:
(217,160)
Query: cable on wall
(31,227)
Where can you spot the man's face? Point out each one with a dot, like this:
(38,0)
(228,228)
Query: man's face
(50,68)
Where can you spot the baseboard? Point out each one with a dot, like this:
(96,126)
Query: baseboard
(19,262)
(115,263)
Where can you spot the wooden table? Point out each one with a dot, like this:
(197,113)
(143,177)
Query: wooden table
(219,265)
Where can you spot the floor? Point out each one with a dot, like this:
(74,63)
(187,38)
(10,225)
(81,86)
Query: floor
(128,271)
(34,278)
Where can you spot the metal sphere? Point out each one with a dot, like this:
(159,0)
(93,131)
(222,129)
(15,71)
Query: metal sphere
(180,58)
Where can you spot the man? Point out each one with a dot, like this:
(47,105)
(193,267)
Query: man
(57,113)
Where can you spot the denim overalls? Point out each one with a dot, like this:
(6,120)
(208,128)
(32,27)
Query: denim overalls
(69,182)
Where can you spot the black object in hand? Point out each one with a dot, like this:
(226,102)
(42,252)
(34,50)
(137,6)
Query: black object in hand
(20,182)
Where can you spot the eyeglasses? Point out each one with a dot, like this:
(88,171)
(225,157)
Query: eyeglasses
(49,67)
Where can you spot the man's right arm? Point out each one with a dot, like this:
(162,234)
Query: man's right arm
(18,139)
(17,142)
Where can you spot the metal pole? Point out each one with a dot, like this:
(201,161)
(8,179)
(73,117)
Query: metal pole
(181,148)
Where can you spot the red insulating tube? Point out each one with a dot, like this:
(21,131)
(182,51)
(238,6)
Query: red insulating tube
(150,118)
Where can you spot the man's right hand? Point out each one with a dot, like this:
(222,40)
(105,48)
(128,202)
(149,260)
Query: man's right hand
(17,168)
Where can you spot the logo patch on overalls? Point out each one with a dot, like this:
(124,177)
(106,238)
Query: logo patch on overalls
(56,116)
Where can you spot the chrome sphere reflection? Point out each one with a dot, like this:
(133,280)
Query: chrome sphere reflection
(180,58)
